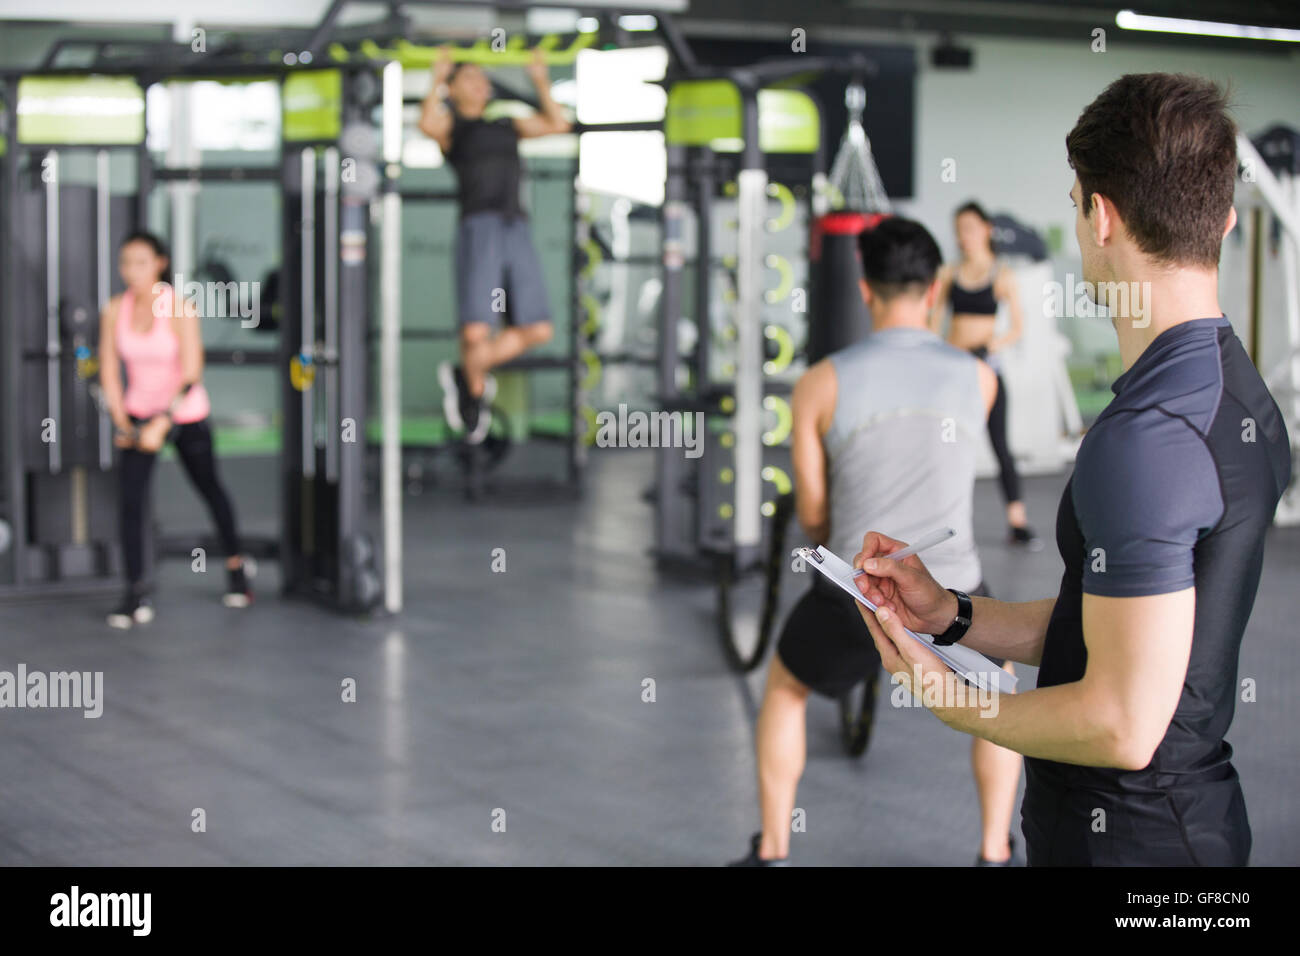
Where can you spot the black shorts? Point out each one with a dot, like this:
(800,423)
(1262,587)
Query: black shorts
(826,644)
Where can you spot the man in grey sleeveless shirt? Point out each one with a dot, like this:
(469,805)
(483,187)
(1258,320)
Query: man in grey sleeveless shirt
(885,436)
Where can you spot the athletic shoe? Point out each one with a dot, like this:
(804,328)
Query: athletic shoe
(482,413)
(471,409)
(753,858)
(1025,537)
(238,591)
(1009,861)
(134,609)
(448,378)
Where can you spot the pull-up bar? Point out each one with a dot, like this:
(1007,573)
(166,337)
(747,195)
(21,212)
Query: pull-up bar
(328,41)
(515,52)
(320,38)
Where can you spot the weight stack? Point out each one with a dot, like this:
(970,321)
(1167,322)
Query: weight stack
(837,316)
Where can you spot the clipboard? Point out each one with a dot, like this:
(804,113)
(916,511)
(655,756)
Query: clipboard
(970,665)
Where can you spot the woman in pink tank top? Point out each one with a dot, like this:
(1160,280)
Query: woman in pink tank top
(158,342)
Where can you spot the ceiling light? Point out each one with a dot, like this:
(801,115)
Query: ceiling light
(1128,20)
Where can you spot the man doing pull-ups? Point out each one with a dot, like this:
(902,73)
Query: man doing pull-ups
(497,268)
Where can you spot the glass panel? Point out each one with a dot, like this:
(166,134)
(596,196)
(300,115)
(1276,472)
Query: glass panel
(230,123)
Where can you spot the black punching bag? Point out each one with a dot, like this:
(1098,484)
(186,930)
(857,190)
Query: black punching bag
(837,316)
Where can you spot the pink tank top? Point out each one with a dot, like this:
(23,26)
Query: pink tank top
(153,364)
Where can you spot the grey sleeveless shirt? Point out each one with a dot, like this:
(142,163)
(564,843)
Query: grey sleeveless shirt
(901,447)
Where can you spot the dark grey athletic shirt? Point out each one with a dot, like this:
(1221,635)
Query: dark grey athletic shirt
(1174,487)
(485,155)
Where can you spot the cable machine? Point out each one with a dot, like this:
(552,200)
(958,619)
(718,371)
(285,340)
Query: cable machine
(739,379)
(59,499)
(58,515)
(730,510)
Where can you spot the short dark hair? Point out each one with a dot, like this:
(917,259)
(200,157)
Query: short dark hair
(898,255)
(1163,149)
(457,69)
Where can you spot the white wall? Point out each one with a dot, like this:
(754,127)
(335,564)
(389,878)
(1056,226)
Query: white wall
(1004,122)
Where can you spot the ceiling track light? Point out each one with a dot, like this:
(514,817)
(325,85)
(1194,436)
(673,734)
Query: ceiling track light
(1129,20)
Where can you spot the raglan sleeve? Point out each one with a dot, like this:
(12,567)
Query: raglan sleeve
(1145,490)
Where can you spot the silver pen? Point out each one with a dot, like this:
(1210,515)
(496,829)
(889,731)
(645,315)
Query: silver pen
(937,536)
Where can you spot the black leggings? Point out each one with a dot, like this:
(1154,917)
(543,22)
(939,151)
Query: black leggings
(1007,473)
(194,446)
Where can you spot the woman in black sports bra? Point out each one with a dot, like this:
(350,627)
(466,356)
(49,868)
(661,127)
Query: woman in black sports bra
(973,288)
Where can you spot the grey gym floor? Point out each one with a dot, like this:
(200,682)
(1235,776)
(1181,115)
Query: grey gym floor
(518,691)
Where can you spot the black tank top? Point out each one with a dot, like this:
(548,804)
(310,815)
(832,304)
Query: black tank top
(979,301)
(485,155)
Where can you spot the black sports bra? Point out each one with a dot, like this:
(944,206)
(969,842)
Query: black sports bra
(979,301)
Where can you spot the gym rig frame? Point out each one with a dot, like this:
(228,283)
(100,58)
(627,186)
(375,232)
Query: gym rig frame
(325,545)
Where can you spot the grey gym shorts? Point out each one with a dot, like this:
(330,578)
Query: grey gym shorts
(498,274)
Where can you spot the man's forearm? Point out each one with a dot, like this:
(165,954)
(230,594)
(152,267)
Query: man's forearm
(435,117)
(1059,723)
(810,508)
(1014,631)
(549,108)
(819,533)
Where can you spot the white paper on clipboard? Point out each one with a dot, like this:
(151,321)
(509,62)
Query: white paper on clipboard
(970,664)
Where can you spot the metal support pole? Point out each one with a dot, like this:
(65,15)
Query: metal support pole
(702,174)
(53,391)
(181,152)
(103,288)
(704,187)
(352,371)
(143,167)
(331,309)
(12,452)
(669,461)
(578,235)
(751,208)
(307,305)
(390,369)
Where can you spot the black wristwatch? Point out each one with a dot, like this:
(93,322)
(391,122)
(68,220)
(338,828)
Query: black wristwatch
(960,624)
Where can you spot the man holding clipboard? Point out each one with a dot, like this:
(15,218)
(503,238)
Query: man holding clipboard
(1161,526)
